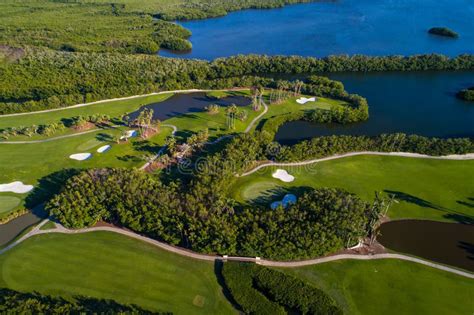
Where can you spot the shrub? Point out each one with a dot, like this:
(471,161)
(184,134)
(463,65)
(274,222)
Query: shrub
(260,290)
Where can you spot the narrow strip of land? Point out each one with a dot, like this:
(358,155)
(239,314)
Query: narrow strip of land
(183,252)
(118,99)
(469,156)
(52,139)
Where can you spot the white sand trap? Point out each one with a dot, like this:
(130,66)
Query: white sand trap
(103,149)
(80,156)
(287,200)
(129,134)
(16,187)
(283,176)
(304,100)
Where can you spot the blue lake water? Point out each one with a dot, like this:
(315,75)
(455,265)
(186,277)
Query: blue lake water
(422,103)
(370,27)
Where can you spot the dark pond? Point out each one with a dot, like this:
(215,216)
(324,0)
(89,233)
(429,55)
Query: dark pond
(369,27)
(13,228)
(180,104)
(422,103)
(447,243)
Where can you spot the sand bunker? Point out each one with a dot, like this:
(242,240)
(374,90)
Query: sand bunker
(129,134)
(304,100)
(287,200)
(103,149)
(283,176)
(16,187)
(80,156)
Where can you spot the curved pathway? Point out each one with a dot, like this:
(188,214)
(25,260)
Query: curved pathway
(52,139)
(469,156)
(183,252)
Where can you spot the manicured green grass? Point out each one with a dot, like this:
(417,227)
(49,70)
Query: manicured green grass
(48,226)
(428,189)
(111,266)
(8,203)
(290,105)
(112,108)
(390,287)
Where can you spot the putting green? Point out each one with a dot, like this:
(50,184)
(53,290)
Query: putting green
(111,266)
(425,188)
(8,203)
(390,287)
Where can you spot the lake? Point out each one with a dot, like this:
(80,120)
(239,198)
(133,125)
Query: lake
(446,243)
(422,103)
(369,27)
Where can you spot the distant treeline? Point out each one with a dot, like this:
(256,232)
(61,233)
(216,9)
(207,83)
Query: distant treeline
(397,142)
(43,79)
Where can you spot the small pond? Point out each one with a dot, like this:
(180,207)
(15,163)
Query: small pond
(422,103)
(180,104)
(446,243)
(12,229)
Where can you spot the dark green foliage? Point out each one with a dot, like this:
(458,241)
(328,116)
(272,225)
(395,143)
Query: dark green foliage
(239,280)
(43,79)
(172,36)
(13,302)
(398,142)
(443,31)
(260,290)
(294,293)
(321,222)
(466,94)
(130,198)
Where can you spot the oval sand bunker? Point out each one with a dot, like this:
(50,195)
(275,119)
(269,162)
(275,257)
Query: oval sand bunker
(80,156)
(283,176)
(16,187)
(103,149)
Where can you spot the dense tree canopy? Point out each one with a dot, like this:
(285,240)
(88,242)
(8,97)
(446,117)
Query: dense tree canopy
(35,79)
(13,302)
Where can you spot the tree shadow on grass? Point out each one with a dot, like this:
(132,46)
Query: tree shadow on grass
(48,186)
(146,146)
(218,266)
(450,214)
(104,137)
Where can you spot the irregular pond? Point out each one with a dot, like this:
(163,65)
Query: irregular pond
(422,103)
(13,228)
(322,28)
(446,243)
(180,104)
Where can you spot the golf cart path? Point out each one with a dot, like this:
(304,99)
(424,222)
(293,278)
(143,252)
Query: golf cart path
(460,157)
(175,129)
(180,251)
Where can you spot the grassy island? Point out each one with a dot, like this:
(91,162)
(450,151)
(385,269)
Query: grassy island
(443,31)
(466,94)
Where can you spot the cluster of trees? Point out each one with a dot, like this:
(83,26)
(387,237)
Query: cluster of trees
(171,36)
(213,8)
(81,121)
(14,302)
(443,31)
(260,290)
(196,212)
(466,94)
(43,79)
(29,131)
(397,142)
